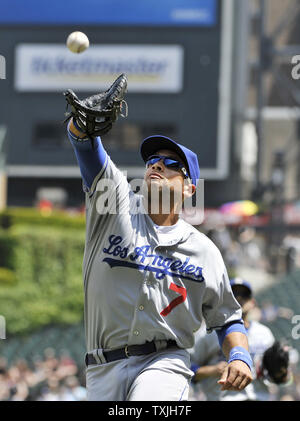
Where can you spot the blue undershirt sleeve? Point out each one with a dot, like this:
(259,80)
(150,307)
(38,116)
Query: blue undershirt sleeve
(237,326)
(91,160)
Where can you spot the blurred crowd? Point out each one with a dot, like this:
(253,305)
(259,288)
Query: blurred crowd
(289,391)
(278,393)
(50,378)
(244,246)
(59,378)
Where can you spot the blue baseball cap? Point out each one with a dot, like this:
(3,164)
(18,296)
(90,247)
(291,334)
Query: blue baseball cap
(152,144)
(240,281)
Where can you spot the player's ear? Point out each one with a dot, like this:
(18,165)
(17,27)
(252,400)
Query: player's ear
(189,189)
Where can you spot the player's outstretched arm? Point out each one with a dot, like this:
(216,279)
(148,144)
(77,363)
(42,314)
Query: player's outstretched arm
(90,118)
(237,375)
(90,158)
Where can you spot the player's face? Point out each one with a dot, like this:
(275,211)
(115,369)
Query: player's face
(162,173)
(161,177)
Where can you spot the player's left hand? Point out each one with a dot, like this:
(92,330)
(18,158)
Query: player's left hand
(236,376)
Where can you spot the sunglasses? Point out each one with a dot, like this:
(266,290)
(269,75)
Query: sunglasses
(168,162)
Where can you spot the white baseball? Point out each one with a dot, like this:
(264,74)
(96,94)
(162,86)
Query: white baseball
(77,42)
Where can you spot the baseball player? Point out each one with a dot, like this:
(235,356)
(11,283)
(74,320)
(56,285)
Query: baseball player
(150,278)
(208,362)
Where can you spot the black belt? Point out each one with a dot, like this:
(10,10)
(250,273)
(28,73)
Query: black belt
(127,351)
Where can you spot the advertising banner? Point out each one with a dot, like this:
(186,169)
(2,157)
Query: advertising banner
(52,67)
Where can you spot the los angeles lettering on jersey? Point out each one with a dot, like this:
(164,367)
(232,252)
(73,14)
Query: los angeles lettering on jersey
(156,263)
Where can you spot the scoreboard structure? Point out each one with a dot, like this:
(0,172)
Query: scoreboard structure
(177,55)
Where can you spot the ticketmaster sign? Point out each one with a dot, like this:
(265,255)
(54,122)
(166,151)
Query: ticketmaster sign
(52,67)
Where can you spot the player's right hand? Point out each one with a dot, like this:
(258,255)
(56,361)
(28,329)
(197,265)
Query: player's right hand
(236,376)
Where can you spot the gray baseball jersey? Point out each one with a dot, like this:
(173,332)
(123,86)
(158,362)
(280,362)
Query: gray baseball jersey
(206,351)
(144,282)
(140,286)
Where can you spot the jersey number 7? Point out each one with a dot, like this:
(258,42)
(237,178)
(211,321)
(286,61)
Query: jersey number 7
(176,301)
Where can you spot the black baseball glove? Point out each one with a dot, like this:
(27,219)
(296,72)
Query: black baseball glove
(96,114)
(275,363)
